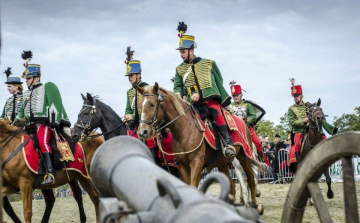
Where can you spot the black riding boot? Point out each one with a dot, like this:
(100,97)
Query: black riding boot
(50,177)
(229,150)
(297,155)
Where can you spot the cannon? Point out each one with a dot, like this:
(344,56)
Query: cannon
(133,190)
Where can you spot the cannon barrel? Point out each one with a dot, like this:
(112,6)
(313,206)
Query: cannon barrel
(123,168)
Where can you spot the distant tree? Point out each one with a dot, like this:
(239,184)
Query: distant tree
(265,129)
(284,121)
(348,122)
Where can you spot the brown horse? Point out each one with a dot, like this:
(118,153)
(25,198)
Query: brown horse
(193,152)
(17,176)
(313,136)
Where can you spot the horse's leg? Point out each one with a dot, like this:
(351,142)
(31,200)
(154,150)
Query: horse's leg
(257,189)
(78,197)
(225,170)
(240,175)
(9,210)
(185,174)
(49,201)
(26,197)
(195,171)
(92,192)
(330,193)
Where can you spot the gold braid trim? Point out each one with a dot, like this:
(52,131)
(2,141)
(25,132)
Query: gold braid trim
(202,71)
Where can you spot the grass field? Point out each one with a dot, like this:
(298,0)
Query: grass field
(272,198)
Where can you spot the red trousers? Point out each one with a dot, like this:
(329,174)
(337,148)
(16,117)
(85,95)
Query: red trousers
(255,140)
(150,142)
(220,120)
(296,147)
(43,135)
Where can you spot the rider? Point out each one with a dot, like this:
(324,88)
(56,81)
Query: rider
(42,108)
(201,81)
(249,115)
(298,119)
(14,102)
(134,98)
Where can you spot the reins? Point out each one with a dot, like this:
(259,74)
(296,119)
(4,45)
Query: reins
(12,135)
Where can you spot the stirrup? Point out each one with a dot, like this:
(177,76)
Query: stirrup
(231,148)
(48,175)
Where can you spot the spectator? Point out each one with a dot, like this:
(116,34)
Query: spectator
(279,146)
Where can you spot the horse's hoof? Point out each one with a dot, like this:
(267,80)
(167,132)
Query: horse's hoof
(260,209)
(311,202)
(258,193)
(330,195)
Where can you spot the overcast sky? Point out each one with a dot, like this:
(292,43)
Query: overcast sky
(80,46)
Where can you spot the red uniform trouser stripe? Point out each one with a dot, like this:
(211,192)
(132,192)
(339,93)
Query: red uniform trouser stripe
(255,140)
(43,134)
(220,120)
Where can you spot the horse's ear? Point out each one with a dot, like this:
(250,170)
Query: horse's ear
(89,97)
(318,102)
(83,97)
(155,89)
(141,90)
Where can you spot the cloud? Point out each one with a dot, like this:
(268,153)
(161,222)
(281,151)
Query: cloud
(260,44)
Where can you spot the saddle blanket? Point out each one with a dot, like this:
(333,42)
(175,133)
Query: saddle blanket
(237,131)
(32,158)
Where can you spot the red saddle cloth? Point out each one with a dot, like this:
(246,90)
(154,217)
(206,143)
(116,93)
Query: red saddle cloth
(237,131)
(32,158)
(167,147)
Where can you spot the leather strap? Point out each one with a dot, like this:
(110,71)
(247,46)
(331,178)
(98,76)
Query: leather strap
(15,152)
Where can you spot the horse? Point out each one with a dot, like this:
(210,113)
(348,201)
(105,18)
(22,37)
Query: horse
(49,203)
(96,114)
(17,176)
(313,136)
(189,146)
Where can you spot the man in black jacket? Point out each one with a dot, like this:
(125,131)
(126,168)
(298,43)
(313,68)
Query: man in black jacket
(279,146)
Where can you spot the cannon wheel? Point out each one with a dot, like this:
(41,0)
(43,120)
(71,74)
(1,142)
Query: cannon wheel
(342,147)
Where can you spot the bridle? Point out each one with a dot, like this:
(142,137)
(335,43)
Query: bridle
(86,129)
(159,99)
(312,116)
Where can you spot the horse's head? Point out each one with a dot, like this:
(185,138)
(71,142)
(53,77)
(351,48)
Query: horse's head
(315,114)
(152,110)
(89,118)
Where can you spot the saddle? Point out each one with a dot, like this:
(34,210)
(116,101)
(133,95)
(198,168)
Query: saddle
(62,158)
(236,126)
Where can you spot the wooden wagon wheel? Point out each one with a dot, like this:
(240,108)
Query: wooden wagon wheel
(342,147)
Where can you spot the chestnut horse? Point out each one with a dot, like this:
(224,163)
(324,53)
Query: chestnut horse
(192,150)
(16,174)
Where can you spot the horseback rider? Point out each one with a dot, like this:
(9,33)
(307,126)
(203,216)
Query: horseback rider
(13,103)
(298,119)
(199,80)
(43,109)
(134,98)
(247,112)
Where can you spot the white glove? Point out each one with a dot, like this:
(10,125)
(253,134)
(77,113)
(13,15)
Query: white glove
(230,109)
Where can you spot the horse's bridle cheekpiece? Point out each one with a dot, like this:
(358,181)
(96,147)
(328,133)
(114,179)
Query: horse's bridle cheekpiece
(86,130)
(159,99)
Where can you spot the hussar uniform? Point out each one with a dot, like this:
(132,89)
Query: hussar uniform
(134,99)
(42,107)
(246,111)
(203,76)
(13,103)
(296,115)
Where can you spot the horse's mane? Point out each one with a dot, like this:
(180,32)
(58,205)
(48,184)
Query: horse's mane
(96,98)
(174,98)
(6,128)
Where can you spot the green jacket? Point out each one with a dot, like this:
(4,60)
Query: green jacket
(43,103)
(130,102)
(250,111)
(207,81)
(296,116)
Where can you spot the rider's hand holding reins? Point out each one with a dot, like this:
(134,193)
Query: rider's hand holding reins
(20,122)
(128,117)
(195,97)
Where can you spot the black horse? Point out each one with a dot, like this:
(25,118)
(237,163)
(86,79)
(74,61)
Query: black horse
(96,114)
(313,136)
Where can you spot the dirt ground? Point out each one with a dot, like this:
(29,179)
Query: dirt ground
(272,198)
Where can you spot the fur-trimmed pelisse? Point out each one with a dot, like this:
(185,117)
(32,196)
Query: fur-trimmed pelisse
(8,72)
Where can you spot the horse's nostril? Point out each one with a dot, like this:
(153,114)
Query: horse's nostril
(74,136)
(145,132)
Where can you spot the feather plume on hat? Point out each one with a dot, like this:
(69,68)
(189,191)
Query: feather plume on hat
(27,55)
(182,27)
(292,80)
(129,54)
(8,72)
(232,83)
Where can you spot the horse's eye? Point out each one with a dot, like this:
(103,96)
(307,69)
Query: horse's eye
(152,105)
